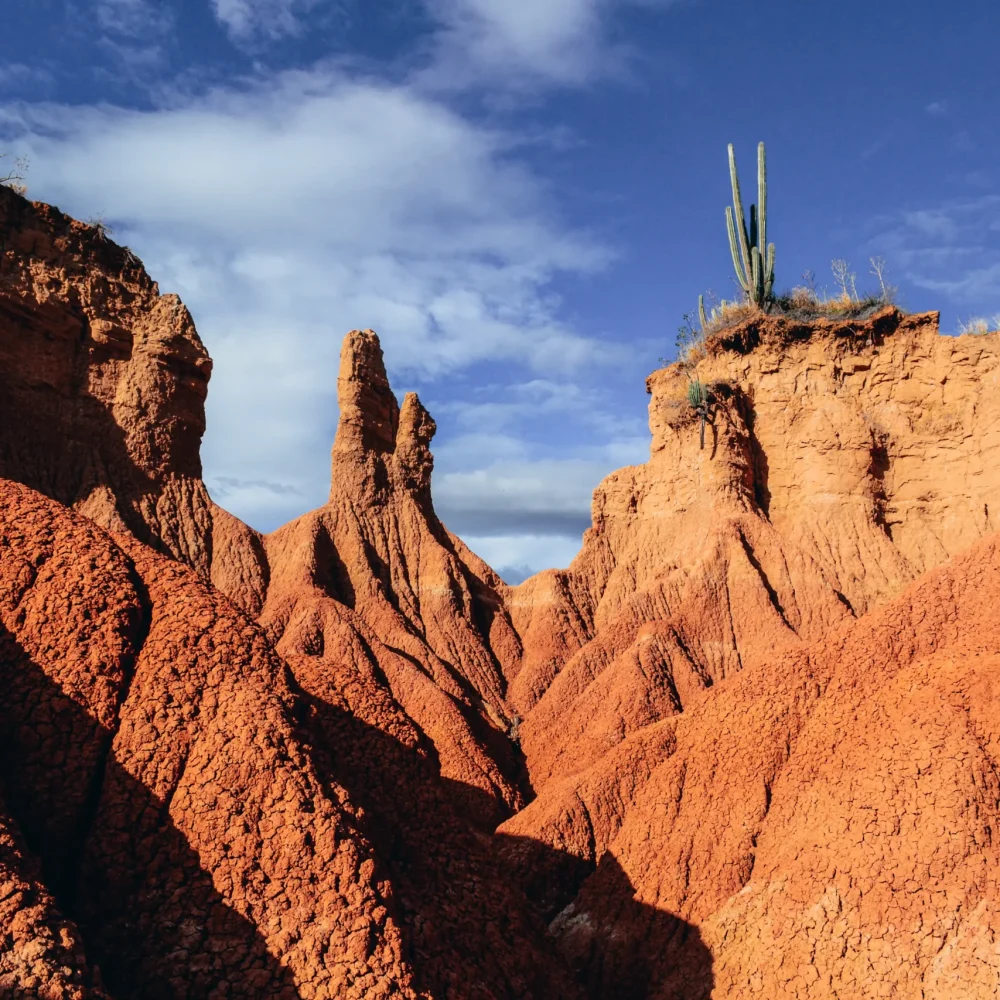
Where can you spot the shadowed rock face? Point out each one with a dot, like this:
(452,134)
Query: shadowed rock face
(759,748)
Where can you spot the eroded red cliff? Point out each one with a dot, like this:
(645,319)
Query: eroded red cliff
(102,394)
(842,460)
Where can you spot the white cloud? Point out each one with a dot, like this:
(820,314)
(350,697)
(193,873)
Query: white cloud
(249,20)
(295,209)
(516,556)
(952,248)
(15,74)
(591,406)
(937,108)
(133,17)
(541,496)
(555,41)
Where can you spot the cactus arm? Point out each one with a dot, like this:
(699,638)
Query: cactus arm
(738,211)
(761,240)
(701,312)
(741,276)
(753,227)
(757,278)
(769,272)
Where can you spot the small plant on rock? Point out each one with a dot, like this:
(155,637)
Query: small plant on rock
(14,179)
(846,279)
(101,229)
(699,400)
(514,732)
(887,293)
(689,337)
(979,325)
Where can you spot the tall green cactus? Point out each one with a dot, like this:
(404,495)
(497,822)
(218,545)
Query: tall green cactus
(754,270)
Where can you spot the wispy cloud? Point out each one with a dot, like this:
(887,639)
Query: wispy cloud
(134,34)
(517,556)
(544,495)
(520,41)
(142,18)
(952,248)
(541,398)
(937,108)
(15,76)
(252,21)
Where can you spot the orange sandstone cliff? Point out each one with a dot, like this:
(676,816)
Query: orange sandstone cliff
(745,746)
(841,462)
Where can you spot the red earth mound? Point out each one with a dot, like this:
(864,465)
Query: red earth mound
(825,818)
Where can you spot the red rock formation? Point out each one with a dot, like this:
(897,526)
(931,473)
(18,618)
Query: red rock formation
(841,463)
(371,585)
(41,953)
(201,844)
(397,635)
(271,767)
(102,391)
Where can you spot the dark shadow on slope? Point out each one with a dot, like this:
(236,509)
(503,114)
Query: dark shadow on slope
(467,932)
(621,949)
(472,929)
(331,575)
(151,919)
(616,947)
(333,579)
(759,466)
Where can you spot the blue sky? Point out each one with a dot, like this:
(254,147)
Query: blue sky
(523,197)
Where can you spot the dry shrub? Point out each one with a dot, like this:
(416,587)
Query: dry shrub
(979,326)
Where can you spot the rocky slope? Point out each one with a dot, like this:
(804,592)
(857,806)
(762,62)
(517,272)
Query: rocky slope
(759,748)
(825,819)
(154,764)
